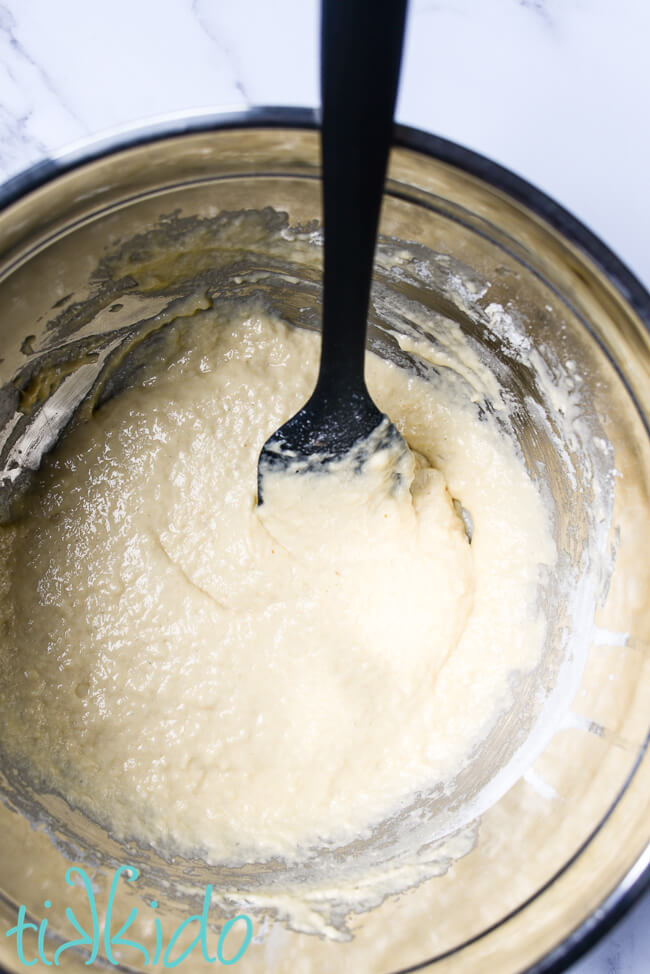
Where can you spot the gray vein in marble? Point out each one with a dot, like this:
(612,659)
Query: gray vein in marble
(224,48)
(8,27)
(18,146)
(539,7)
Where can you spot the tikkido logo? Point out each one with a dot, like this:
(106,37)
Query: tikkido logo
(102,934)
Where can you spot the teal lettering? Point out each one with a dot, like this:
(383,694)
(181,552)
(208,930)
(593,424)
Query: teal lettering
(18,930)
(224,933)
(86,940)
(91,941)
(117,940)
(158,928)
(41,939)
(200,937)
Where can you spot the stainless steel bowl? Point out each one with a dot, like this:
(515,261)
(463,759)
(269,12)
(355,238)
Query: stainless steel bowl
(98,248)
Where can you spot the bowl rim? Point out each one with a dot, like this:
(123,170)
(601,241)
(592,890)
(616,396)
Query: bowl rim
(636,881)
(160,127)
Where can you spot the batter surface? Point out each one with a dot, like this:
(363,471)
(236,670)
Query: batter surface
(205,675)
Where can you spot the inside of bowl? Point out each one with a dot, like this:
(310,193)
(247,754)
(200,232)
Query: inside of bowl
(470,288)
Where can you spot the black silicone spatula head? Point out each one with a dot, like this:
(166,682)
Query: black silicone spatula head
(361,47)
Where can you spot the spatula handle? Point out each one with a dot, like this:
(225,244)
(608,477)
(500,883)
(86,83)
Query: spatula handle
(361,48)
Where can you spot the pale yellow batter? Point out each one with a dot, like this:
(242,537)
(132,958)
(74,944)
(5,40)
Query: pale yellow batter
(205,675)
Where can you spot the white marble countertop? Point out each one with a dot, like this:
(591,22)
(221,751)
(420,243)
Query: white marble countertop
(557,90)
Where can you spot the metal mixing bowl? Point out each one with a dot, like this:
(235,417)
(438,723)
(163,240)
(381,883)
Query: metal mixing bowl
(98,248)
